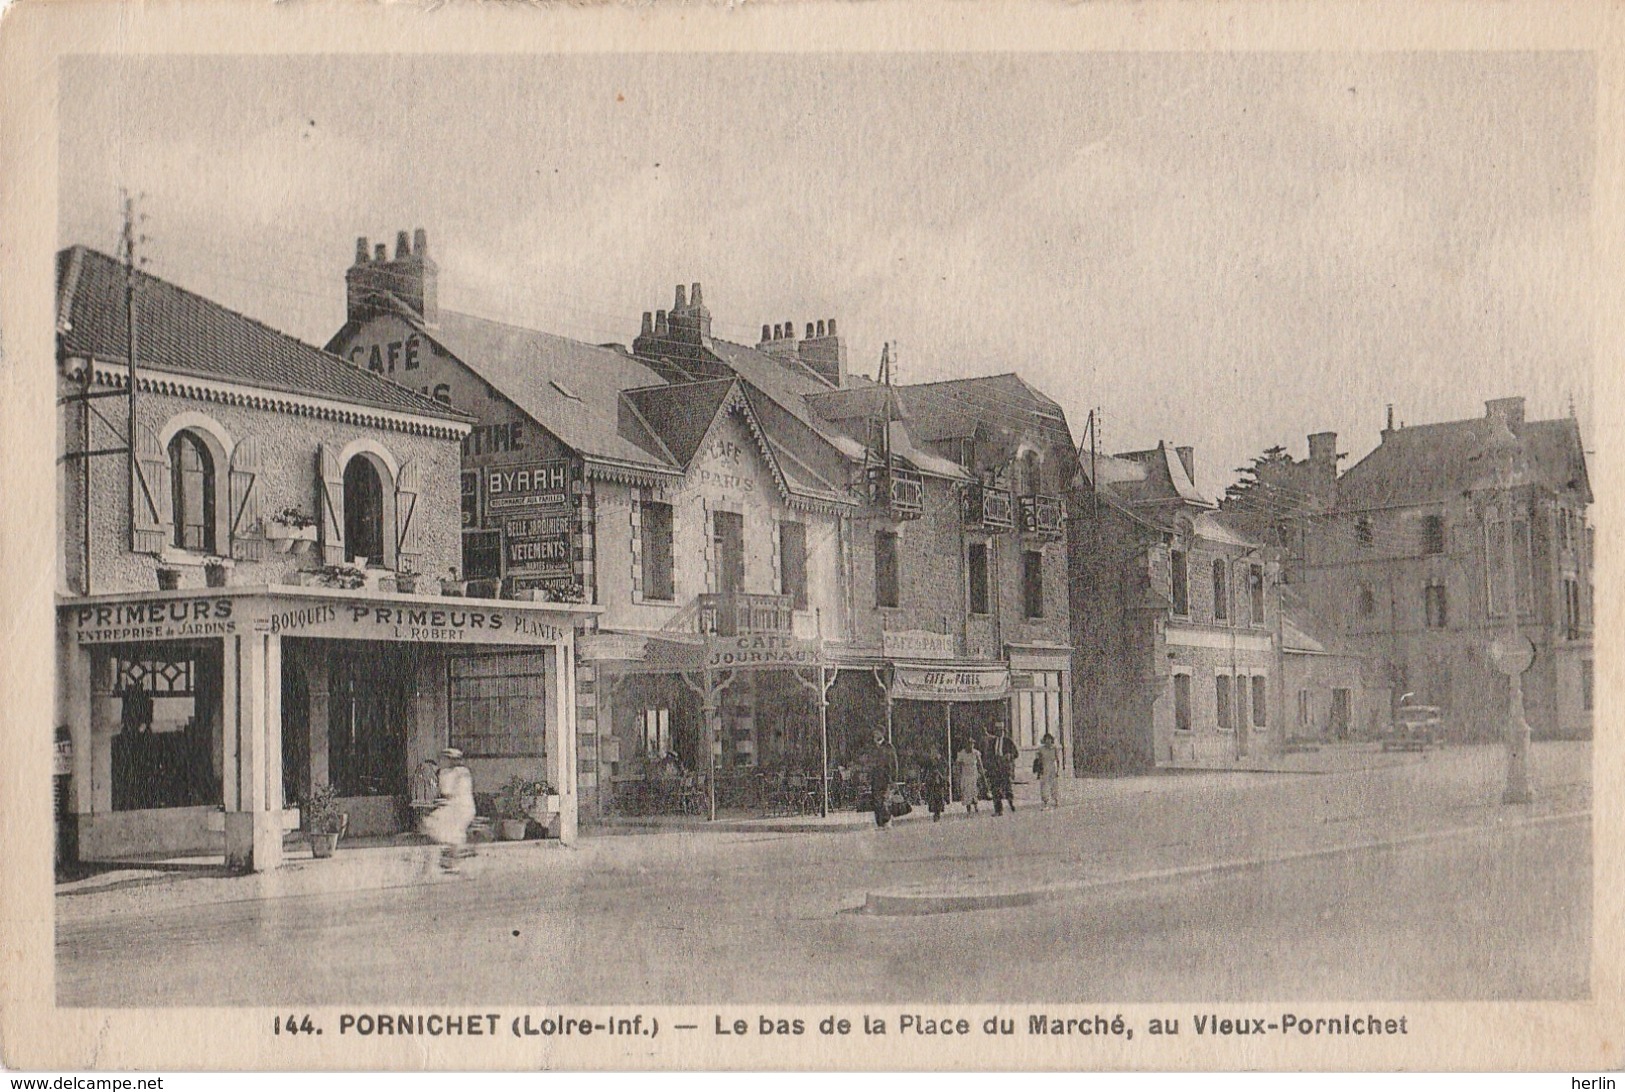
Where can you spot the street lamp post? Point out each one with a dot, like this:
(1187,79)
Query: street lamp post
(1512,652)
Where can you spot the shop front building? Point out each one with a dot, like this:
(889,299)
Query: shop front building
(261,596)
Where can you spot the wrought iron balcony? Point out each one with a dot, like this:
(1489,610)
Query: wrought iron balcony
(898,491)
(1042,515)
(989,508)
(732,615)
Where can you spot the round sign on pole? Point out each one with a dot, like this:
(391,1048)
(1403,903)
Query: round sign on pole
(1512,655)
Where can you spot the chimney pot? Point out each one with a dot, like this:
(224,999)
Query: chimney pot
(831,327)
(420,243)
(380,253)
(767,332)
(789,329)
(809,331)
(1390,427)
(660,322)
(403,245)
(648,322)
(679,305)
(820,327)
(361,250)
(778,332)
(694,296)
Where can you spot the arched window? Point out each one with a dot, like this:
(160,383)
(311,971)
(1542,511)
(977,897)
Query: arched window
(192,486)
(363,511)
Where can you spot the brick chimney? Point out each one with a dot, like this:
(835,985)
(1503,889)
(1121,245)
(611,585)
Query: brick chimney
(824,352)
(410,277)
(1323,465)
(779,341)
(1509,411)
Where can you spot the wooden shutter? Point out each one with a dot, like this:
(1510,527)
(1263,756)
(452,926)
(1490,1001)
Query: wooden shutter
(408,522)
(247,530)
(152,513)
(330,490)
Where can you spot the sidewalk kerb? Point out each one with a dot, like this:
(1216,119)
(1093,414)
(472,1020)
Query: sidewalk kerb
(906,904)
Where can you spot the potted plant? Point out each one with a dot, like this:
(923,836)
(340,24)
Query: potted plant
(214,571)
(289,527)
(509,806)
(450,584)
(406,579)
(169,578)
(335,576)
(543,804)
(324,822)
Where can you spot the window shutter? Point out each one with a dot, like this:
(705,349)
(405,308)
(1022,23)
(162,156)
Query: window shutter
(330,486)
(151,511)
(247,530)
(408,524)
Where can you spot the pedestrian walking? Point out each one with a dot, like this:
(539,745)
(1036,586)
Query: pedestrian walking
(969,768)
(1047,765)
(448,823)
(882,762)
(1000,758)
(936,791)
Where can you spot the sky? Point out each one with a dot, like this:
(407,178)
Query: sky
(1224,250)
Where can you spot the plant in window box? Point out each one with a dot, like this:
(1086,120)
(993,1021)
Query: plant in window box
(324,822)
(214,571)
(348,577)
(169,578)
(406,579)
(290,527)
(450,584)
(509,808)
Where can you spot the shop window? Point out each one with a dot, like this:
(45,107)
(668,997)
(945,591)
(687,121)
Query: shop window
(1032,583)
(167,753)
(192,487)
(656,740)
(793,562)
(1255,587)
(1435,605)
(1433,534)
(1221,591)
(655,540)
(363,511)
(1182,703)
(1038,709)
(1261,701)
(499,705)
(1181,582)
(976,575)
(1362,533)
(1221,703)
(886,569)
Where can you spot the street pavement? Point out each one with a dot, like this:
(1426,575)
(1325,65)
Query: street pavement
(1405,881)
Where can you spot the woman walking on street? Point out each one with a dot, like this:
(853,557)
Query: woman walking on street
(448,823)
(968,767)
(1047,765)
(882,772)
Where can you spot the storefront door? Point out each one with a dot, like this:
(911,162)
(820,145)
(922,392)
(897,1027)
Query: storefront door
(367,722)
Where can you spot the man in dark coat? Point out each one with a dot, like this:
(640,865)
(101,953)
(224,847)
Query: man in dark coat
(1000,757)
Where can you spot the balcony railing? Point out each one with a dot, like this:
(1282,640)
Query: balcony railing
(899,492)
(989,509)
(739,613)
(1041,515)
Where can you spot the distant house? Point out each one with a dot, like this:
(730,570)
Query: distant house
(1405,555)
(1175,621)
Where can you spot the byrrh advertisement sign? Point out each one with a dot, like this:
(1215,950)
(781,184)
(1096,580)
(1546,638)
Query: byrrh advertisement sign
(538,486)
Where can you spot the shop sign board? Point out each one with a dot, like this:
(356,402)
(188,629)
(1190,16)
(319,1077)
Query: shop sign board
(761,650)
(154,620)
(408,622)
(916,644)
(513,490)
(62,758)
(537,545)
(612,646)
(951,683)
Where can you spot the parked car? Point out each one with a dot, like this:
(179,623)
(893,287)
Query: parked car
(1415,728)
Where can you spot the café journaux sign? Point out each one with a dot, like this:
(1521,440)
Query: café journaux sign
(761,650)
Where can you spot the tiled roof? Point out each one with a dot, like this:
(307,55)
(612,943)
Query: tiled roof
(182,332)
(681,413)
(1432,463)
(1165,480)
(569,387)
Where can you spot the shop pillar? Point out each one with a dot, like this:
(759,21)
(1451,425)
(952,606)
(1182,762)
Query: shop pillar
(253,697)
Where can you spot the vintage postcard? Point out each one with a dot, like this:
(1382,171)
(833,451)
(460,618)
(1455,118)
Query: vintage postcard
(812,536)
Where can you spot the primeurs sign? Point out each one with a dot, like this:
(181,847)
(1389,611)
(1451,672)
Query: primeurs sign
(307,616)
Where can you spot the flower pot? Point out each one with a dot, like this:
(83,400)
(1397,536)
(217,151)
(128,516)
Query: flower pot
(169,579)
(406,583)
(513,830)
(214,575)
(323,845)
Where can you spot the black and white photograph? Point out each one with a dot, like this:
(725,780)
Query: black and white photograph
(655,553)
